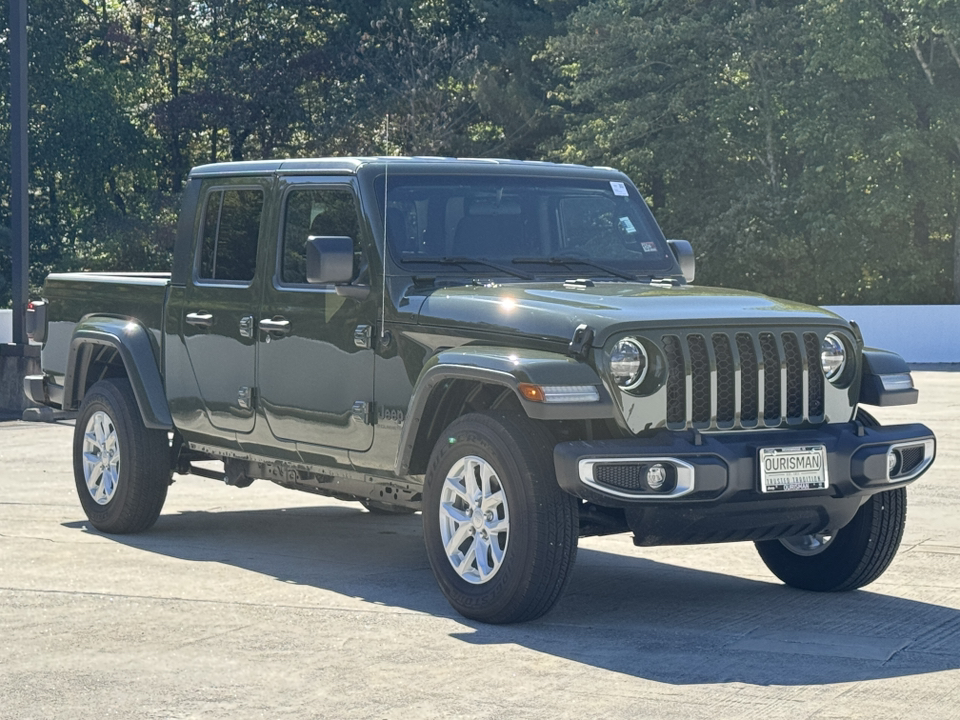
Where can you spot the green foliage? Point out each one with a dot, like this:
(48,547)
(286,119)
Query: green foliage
(801,145)
(808,148)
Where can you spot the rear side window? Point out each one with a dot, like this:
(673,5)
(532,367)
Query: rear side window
(231,229)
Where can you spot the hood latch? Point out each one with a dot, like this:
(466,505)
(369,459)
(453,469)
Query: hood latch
(580,343)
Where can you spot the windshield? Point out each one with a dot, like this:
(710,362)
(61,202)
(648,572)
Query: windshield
(542,225)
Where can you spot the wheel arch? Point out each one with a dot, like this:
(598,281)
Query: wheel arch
(474,379)
(108,347)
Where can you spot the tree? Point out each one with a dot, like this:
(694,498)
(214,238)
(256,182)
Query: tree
(782,137)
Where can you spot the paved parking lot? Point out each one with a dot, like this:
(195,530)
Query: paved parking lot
(264,602)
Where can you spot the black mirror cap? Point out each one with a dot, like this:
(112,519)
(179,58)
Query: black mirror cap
(683,251)
(329,259)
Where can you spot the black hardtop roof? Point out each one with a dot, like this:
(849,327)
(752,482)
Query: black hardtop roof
(352,165)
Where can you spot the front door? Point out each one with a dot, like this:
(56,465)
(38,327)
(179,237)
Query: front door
(315,370)
(220,304)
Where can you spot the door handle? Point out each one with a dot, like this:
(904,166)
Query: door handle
(276,326)
(200,319)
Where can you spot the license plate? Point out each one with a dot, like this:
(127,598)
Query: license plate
(793,469)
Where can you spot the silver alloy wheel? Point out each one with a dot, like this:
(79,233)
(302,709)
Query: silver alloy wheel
(474,519)
(808,545)
(101,457)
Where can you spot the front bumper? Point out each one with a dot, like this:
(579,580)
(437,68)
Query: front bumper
(715,492)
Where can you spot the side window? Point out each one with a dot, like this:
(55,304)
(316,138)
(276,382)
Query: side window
(316,211)
(231,229)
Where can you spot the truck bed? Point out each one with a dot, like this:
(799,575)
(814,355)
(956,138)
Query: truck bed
(70,296)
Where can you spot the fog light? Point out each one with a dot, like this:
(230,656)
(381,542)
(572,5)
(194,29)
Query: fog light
(893,460)
(656,476)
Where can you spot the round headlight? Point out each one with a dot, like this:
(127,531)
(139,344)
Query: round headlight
(833,357)
(628,363)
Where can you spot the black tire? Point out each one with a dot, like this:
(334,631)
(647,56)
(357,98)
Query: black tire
(142,468)
(540,546)
(375,507)
(857,554)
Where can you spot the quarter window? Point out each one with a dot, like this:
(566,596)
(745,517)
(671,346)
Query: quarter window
(231,229)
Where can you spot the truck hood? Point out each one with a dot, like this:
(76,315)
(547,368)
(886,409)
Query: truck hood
(552,311)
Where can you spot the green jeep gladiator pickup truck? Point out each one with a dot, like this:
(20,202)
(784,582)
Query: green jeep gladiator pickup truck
(512,348)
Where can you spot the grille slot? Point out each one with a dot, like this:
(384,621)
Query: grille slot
(743,380)
(794,361)
(812,344)
(700,370)
(676,381)
(771,378)
(749,380)
(726,380)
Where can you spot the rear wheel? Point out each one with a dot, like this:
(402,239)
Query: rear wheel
(848,559)
(121,467)
(500,535)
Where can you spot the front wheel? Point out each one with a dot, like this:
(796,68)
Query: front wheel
(500,534)
(848,559)
(121,467)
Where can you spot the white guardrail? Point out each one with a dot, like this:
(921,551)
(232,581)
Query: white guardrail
(919,333)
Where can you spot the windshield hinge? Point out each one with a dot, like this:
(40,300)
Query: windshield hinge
(580,343)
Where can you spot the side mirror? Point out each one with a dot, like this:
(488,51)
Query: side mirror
(329,259)
(683,251)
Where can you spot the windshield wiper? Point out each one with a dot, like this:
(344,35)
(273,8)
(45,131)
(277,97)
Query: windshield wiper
(461,261)
(567,260)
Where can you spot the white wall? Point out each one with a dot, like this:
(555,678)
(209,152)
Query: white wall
(919,333)
(6,326)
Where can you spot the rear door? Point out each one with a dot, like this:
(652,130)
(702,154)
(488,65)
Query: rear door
(315,372)
(218,314)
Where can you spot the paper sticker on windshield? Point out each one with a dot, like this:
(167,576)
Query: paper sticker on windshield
(649,247)
(627,225)
(618,188)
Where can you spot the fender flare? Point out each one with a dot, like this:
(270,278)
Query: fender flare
(880,366)
(508,368)
(135,348)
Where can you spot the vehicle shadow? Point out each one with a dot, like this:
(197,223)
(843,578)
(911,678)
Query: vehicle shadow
(629,615)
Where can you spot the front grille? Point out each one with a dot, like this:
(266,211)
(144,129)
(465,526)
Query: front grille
(747,380)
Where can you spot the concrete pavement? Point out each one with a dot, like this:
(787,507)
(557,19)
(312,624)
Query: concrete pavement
(264,602)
